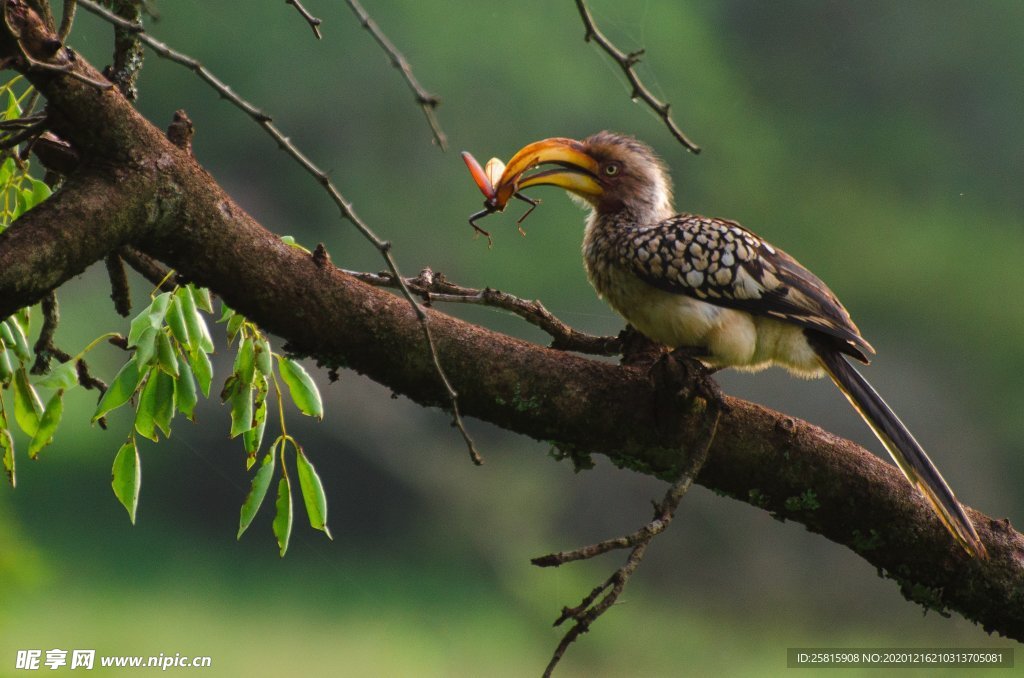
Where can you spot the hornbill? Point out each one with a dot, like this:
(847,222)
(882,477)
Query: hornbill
(715,289)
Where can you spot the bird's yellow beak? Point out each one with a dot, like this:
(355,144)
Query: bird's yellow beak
(577,171)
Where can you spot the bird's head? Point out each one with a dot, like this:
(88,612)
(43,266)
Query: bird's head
(612,172)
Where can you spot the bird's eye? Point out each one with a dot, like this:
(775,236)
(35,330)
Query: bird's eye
(612,169)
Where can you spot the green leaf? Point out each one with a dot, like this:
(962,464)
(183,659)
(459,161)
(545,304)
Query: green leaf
(18,341)
(23,316)
(145,348)
(166,358)
(40,192)
(283,517)
(263,357)
(6,171)
(203,369)
(226,312)
(201,296)
(290,241)
(20,204)
(156,405)
(6,369)
(245,361)
(301,387)
(257,491)
(47,424)
(185,396)
(151,317)
(145,413)
(234,325)
(176,317)
(24,202)
(125,383)
(126,477)
(140,324)
(64,376)
(7,334)
(7,445)
(165,402)
(158,309)
(27,407)
(312,494)
(197,330)
(241,408)
(253,438)
(30,197)
(13,109)
(229,388)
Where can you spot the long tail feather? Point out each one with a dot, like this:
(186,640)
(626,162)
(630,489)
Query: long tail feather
(905,451)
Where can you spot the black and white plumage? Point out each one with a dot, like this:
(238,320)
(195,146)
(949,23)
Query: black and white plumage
(725,290)
(717,289)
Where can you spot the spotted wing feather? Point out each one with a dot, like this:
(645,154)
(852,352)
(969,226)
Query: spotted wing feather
(722,263)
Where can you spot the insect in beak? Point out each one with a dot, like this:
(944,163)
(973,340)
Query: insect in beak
(486,178)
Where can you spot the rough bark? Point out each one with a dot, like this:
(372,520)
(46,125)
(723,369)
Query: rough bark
(135,187)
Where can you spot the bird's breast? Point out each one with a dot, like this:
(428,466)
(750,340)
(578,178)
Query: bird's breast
(725,337)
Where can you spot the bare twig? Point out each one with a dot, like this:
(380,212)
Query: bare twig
(27,133)
(626,63)
(21,123)
(435,287)
(67,20)
(150,269)
(28,128)
(313,22)
(427,101)
(345,207)
(45,349)
(590,608)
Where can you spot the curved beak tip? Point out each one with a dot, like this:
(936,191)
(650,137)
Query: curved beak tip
(578,174)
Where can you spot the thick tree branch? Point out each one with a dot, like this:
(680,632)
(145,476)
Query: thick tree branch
(135,187)
(345,207)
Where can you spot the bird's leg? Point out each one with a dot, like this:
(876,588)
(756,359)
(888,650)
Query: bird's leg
(680,376)
(638,350)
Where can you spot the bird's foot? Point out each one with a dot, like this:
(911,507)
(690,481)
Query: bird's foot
(681,376)
(638,350)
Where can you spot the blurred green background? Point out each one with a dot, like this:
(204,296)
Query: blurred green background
(879,143)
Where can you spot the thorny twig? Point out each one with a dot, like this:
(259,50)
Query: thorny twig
(427,101)
(313,22)
(626,63)
(433,286)
(590,608)
(346,208)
